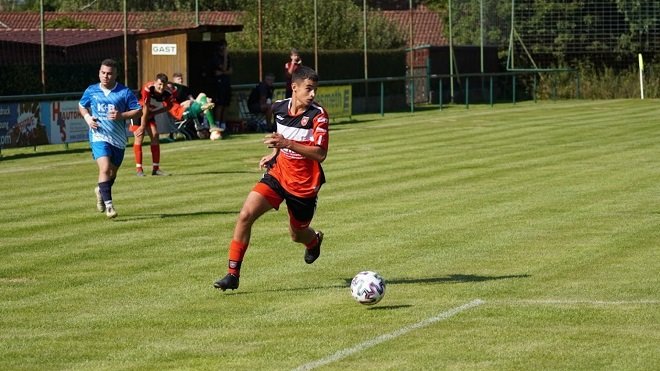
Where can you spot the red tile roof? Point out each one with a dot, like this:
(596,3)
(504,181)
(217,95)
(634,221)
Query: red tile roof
(428,28)
(115,20)
(58,37)
(24,26)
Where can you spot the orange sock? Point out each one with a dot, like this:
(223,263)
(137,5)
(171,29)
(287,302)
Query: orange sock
(137,150)
(236,253)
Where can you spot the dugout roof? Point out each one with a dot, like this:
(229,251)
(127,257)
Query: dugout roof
(24,27)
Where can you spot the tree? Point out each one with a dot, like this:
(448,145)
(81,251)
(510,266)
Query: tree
(287,24)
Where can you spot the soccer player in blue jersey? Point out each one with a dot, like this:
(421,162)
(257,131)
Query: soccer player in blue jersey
(106,107)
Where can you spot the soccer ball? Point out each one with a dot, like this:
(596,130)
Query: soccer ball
(215,135)
(368,287)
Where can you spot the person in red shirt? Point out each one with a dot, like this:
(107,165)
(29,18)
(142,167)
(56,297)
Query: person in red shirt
(289,68)
(155,98)
(293,174)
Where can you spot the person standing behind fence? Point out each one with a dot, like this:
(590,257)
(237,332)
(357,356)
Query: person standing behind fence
(289,68)
(106,107)
(221,70)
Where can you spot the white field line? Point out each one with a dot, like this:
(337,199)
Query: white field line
(382,338)
(574,302)
(452,312)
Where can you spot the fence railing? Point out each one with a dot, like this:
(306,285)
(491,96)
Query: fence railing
(39,119)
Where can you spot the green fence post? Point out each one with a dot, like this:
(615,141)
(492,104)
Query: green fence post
(577,83)
(412,95)
(514,89)
(534,88)
(427,81)
(491,91)
(467,92)
(382,98)
(440,94)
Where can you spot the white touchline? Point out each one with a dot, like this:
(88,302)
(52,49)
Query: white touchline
(382,338)
(574,302)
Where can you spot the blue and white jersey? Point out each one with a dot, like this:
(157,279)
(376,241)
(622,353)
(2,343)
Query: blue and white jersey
(98,101)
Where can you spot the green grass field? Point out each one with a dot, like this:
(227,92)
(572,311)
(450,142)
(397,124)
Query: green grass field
(517,237)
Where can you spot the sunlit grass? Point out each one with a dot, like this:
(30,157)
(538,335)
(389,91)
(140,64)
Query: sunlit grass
(547,212)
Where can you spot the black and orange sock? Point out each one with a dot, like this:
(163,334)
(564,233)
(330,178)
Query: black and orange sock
(311,244)
(236,253)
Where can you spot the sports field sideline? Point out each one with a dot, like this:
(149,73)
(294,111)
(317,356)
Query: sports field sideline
(513,237)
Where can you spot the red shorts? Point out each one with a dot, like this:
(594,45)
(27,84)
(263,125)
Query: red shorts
(133,127)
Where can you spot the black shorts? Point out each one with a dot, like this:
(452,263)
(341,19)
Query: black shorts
(302,209)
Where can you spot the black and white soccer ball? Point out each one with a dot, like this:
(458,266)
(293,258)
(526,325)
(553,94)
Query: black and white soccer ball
(215,134)
(368,287)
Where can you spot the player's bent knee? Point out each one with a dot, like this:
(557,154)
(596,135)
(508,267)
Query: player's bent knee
(246,217)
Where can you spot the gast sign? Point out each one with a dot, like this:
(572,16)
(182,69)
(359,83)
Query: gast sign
(163,49)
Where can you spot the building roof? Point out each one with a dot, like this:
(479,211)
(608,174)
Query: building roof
(58,37)
(24,27)
(428,28)
(115,20)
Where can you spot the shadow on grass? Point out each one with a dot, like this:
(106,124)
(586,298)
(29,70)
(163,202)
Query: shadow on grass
(352,120)
(19,156)
(389,307)
(133,218)
(222,172)
(452,278)
(198,213)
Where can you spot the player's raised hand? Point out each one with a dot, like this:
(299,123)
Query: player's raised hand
(276,140)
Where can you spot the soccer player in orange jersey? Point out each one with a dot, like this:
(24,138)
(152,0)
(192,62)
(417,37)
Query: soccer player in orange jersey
(293,174)
(155,98)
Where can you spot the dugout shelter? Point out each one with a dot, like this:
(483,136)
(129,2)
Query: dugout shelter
(180,50)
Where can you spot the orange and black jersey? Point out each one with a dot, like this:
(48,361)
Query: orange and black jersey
(298,175)
(148,91)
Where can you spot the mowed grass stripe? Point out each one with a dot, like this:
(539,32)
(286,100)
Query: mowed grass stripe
(532,202)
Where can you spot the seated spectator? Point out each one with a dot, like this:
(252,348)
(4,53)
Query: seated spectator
(261,99)
(200,108)
(195,108)
(181,93)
